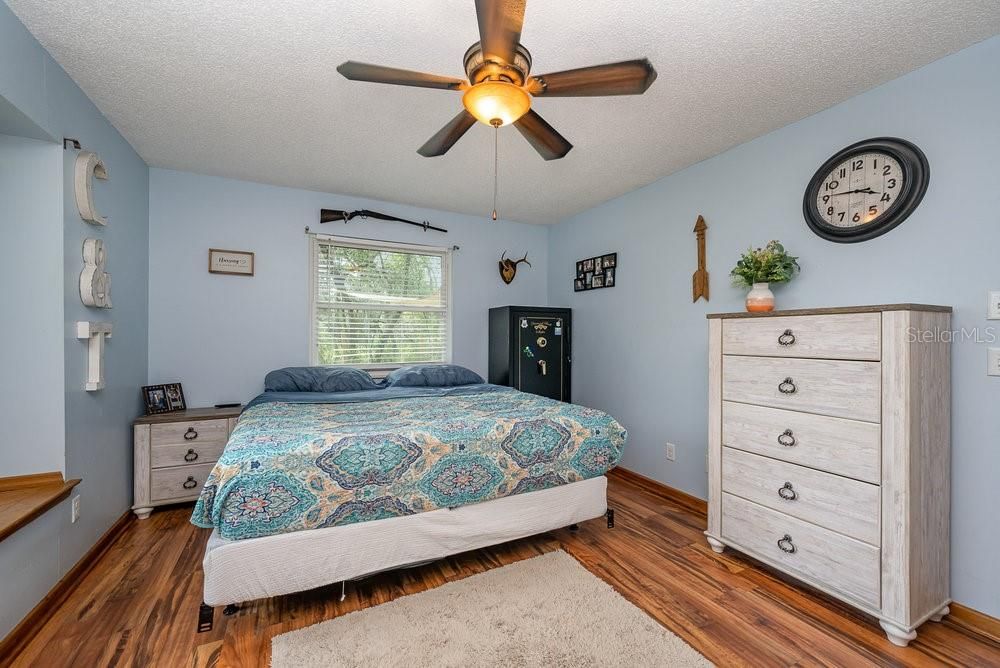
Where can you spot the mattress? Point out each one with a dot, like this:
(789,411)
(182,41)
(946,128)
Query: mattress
(309,461)
(244,570)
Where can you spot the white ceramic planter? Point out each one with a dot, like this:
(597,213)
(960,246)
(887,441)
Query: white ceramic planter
(760,298)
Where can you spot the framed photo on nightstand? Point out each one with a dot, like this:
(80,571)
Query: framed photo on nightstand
(165,398)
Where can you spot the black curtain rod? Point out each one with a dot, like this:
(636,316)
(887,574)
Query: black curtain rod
(334,216)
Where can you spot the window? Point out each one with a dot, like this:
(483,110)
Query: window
(379,305)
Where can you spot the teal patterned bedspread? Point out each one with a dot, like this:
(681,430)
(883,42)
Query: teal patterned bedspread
(296,466)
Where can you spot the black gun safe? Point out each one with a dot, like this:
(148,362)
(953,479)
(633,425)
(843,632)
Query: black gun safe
(530,349)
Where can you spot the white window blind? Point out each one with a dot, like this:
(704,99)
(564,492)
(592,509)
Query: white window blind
(379,305)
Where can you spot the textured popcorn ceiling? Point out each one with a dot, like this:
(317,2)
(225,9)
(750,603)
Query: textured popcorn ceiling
(248,89)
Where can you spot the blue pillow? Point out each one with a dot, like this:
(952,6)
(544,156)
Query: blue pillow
(319,379)
(432,375)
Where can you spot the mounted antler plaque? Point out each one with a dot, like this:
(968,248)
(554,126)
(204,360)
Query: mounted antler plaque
(508,267)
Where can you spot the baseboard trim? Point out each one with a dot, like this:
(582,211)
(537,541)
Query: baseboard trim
(683,499)
(975,621)
(25,631)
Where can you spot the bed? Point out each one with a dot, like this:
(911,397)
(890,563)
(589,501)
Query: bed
(321,487)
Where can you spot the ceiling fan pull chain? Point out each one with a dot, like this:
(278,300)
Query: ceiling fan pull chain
(496,163)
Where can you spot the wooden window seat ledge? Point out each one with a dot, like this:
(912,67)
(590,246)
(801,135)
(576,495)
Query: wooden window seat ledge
(24,498)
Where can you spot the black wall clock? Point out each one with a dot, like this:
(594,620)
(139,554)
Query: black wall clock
(866,189)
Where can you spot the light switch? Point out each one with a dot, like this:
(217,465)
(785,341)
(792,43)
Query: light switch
(993,309)
(993,358)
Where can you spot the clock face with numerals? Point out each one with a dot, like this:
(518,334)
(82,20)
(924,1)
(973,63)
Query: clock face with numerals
(866,189)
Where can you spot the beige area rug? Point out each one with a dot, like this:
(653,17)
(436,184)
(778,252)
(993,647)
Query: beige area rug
(545,611)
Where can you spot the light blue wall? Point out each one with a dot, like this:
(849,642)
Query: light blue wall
(219,335)
(95,427)
(16,124)
(640,348)
(31,408)
(31,562)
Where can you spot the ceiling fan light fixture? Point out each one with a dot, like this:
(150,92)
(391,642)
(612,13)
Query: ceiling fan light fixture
(498,90)
(490,101)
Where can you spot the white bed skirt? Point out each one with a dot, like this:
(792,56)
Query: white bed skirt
(244,570)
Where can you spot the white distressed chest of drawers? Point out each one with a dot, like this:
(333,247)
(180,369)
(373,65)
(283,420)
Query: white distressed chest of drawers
(830,452)
(173,453)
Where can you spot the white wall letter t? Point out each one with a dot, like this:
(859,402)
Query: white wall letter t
(95,332)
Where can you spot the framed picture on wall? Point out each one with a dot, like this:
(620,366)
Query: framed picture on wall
(596,272)
(235,263)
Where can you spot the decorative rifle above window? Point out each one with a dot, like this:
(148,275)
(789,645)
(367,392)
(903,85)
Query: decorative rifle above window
(333,216)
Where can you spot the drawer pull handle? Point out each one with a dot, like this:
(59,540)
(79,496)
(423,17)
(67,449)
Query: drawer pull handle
(191,455)
(787,338)
(787,493)
(786,439)
(787,386)
(190,483)
(190,434)
(786,545)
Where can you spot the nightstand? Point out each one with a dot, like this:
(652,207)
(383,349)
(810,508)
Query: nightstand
(175,452)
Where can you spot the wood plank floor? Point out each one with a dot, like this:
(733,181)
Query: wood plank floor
(139,606)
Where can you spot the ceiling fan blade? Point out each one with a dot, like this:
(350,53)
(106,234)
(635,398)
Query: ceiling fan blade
(631,77)
(446,137)
(500,27)
(356,71)
(543,137)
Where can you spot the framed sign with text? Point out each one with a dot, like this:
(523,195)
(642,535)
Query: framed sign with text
(238,263)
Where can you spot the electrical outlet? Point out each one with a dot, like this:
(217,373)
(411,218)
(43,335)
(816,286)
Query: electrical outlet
(993,308)
(671,451)
(993,362)
(74,509)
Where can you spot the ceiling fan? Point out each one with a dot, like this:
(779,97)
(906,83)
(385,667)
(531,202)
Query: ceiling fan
(499,89)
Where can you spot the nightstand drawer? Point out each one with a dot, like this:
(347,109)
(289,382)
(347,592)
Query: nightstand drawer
(190,433)
(826,387)
(181,482)
(850,336)
(195,452)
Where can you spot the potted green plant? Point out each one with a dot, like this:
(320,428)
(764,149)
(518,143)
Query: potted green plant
(758,268)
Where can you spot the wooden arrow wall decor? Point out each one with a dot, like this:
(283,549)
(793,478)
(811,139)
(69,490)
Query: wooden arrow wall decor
(699,282)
